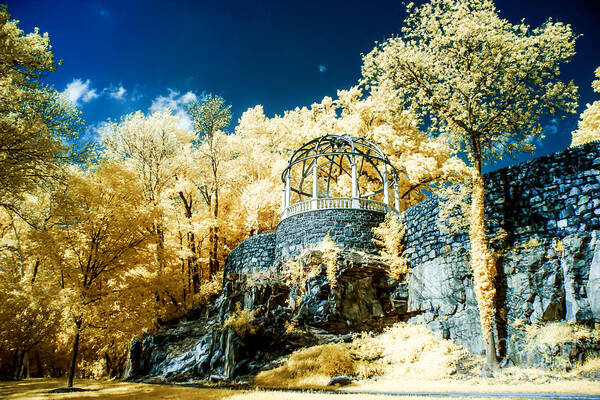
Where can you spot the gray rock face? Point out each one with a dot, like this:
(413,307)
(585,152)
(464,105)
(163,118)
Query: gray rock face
(554,200)
(593,285)
(534,284)
(441,292)
(199,346)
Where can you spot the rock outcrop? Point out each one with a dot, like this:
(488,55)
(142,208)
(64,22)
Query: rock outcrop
(284,317)
(540,281)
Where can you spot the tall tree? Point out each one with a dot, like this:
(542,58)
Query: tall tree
(36,123)
(483,83)
(99,237)
(589,122)
(150,145)
(210,118)
(31,311)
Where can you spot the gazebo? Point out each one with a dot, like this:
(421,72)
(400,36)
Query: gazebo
(339,171)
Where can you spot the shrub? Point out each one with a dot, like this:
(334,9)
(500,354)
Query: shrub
(330,254)
(402,350)
(389,236)
(559,333)
(241,321)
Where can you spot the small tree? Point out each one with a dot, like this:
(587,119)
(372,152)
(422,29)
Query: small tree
(210,117)
(589,122)
(483,83)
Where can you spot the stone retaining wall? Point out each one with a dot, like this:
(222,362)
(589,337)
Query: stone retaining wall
(252,255)
(350,230)
(549,197)
(540,203)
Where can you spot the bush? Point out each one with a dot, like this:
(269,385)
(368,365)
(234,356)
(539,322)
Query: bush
(241,321)
(402,350)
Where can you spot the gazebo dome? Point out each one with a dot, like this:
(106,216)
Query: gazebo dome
(339,171)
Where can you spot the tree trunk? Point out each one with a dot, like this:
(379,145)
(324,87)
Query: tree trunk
(26,369)
(483,265)
(74,354)
(214,262)
(18,364)
(38,365)
(160,247)
(194,276)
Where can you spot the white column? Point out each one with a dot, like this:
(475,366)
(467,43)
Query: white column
(283,202)
(315,188)
(355,201)
(287,190)
(386,192)
(396,197)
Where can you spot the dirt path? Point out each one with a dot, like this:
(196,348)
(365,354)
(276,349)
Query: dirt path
(38,389)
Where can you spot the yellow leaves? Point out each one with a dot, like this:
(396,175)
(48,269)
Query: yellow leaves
(462,68)
(330,253)
(400,351)
(241,321)
(389,235)
(35,120)
(589,122)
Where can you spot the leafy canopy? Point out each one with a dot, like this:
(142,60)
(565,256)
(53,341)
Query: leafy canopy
(589,123)
(466,72)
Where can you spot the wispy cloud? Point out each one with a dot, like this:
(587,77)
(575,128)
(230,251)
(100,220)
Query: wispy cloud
(117,93)
(104,13)
(551,128)
(322,68)
(79,92)
(175,102)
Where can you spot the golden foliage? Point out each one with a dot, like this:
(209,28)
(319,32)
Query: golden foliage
(309,367)
(241,321)
(589,123)
(390,235)
(455,208)
(330,253)
(481,82)
(36,121)
(401,351)
(557,333)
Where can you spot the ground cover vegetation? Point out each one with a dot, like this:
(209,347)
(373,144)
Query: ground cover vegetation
(100,245)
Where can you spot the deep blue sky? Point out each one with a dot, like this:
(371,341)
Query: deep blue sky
(280,54)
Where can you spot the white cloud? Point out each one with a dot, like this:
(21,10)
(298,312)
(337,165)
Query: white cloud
(79,91)
(550,128)
(176,102)
(117,93)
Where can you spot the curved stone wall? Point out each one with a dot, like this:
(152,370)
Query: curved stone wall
(252,255)
(349,229)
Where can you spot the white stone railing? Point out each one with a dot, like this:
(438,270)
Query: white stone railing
(336,203)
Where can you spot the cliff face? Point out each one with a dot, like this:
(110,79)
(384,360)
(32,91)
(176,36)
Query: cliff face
(543,217)
(284,317)
(536,283)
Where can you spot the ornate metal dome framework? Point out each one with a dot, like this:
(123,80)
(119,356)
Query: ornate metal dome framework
(328,158)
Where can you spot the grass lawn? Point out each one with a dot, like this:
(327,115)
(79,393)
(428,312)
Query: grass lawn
(38,389)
